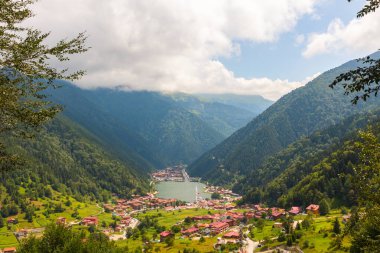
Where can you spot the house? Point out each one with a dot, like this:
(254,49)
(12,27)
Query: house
(126,220)
(202,225)
(88,221)
(9,250)
(295,210)
(61,221)
(164,235)
(346,218)
(250,215)
(313,209)
(277,213)
(189,231)
(230,222)
(232,235)
(218,227)
(277,225)
(12,221)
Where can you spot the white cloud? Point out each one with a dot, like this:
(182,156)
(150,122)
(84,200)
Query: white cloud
(300,39)
(171,45)
(358,37)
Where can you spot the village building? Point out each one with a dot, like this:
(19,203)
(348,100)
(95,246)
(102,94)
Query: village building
(190,231)
(295,210)
(232,235)
(88,221)
(277,213)
(346,218)
(61,221)
(12,221)
(164,235)
(10,250)
(313,209)
(218,227)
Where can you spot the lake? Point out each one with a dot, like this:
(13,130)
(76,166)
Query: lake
(184,191)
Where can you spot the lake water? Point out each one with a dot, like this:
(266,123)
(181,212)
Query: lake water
(184,191)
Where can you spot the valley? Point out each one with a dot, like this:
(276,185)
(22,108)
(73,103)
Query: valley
(189,126)
(169,225)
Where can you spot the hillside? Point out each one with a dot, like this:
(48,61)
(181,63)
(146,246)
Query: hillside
(221,115)
(299,113)
(70,160)
(147,125)
(312,168)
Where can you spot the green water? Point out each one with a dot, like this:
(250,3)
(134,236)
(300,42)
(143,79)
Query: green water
(184,191)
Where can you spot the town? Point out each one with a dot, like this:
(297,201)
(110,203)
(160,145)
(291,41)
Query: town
(219,222)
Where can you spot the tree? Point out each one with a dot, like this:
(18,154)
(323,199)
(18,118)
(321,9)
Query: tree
(58,238)
(216,195)
(1,222)
(364,80)
(26,73)
(260,224)
(169,241)
(336,227)
(176,229)
(324,207)
(371,6)
(364,226)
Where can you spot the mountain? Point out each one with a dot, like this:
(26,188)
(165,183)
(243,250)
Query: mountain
(144,126)
(299,113)
(223,117)
(253,103)
(71,160)
(312,168)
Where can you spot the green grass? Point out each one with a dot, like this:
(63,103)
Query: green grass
(7,239)
(168,219)
(319,235)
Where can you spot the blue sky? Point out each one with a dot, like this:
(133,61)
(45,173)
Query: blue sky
(283,58)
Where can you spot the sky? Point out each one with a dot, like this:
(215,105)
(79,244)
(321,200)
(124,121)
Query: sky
(258,47)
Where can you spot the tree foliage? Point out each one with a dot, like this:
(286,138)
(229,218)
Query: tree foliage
(365,80)
(371,6)
(364,225)
(26,71)
(58,238)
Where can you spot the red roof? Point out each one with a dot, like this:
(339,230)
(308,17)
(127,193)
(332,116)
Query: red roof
(232,234)
(11,249)
(190,230)
(313,207)
(165,233)
(218,224)
(295,210)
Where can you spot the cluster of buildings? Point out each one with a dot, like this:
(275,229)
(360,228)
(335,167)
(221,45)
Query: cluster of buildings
(137,203)
(211,225)
(176,173)
(224,193)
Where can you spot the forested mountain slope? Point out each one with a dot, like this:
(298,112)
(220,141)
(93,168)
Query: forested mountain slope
(312,168)
(223,117)
(299,113)
(72,161)
(148,125)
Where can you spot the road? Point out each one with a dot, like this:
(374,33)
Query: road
(186,176)
(252,246)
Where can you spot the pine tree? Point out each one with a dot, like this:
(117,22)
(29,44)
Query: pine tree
(336,227)
(324,207)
